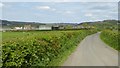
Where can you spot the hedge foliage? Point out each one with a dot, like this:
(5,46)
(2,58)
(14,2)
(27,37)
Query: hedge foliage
(39,48)
(111,38)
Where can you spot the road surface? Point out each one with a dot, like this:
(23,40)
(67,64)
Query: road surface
(92,51)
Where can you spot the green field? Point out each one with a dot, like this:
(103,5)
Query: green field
(40,48)
(111,37)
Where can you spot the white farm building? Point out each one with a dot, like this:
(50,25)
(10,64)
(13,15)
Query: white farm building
(18,28)
(44,27)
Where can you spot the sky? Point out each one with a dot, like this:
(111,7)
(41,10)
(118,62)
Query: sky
(60,0)
(58,12)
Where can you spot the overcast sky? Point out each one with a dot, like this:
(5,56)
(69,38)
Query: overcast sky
(59,11)
(60,0)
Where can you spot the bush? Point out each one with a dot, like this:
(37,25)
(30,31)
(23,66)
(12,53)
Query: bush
(111,38)
(40,48)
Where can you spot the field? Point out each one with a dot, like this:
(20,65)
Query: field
(111,38)
(39,48)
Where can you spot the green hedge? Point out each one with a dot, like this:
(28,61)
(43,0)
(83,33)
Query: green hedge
(111,38)
(40,48)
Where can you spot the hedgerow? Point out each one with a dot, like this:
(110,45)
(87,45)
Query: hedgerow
(111,38)
(40,48)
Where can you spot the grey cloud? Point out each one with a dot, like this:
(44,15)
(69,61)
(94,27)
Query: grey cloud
(101,8)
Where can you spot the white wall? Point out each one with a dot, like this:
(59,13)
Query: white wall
(45,28)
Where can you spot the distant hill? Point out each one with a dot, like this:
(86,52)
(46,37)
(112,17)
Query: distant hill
(105,24)
(10,24)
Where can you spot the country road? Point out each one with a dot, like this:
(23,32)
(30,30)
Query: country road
(92,51)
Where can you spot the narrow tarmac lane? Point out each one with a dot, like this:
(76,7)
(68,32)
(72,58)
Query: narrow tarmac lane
(92,51)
